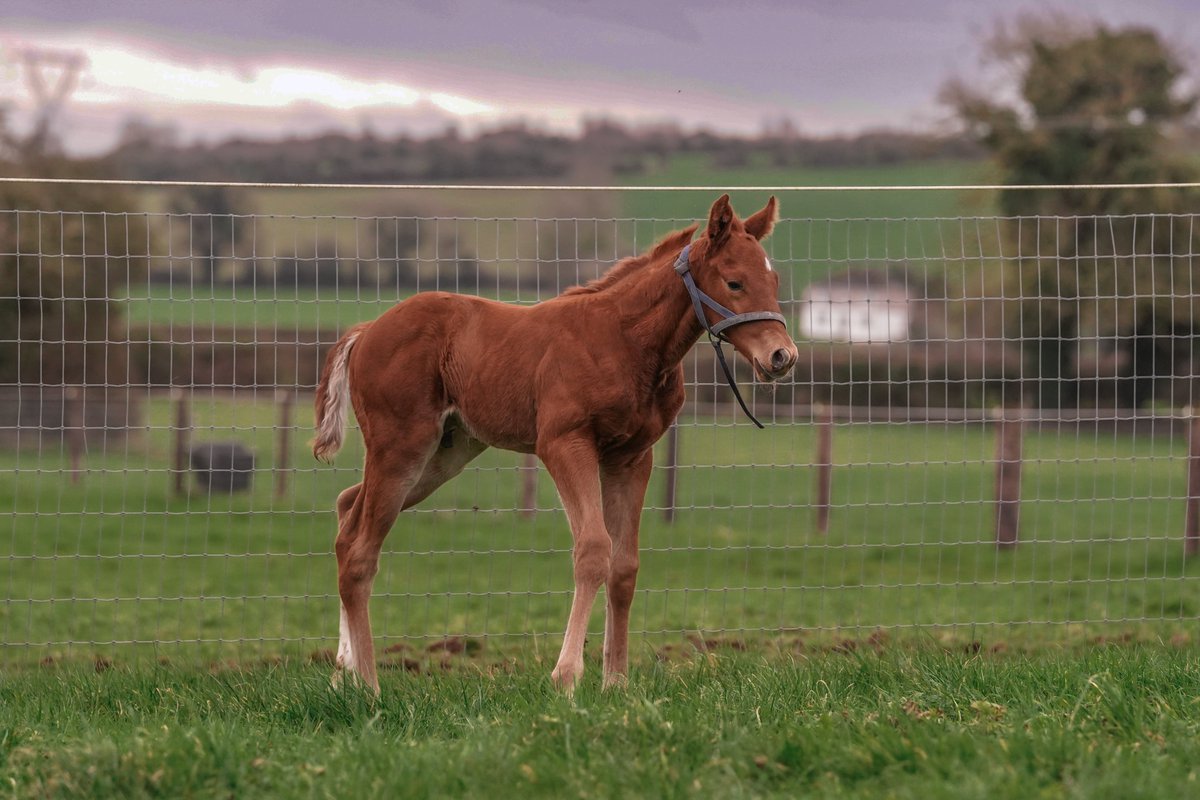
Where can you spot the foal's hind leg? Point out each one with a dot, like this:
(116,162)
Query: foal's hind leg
(624,489)
(395,463)
(412,481)
(345,656)
(455,450)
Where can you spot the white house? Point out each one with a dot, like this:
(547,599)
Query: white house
(862,306)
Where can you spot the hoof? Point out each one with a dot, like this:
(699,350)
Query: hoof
(343,678)
(616,681)
(566,677)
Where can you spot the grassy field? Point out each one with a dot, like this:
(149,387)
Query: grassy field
(823,232)
(162,646)
(251,309)
(115,565)
(1113,722)
(698,171)
(554,239)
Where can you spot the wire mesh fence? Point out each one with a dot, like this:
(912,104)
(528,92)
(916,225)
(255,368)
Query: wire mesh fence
(988,429)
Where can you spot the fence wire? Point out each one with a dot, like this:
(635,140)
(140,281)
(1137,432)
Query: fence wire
(987,433)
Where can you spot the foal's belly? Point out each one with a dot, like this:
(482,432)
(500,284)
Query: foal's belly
(494,433)
(634,434)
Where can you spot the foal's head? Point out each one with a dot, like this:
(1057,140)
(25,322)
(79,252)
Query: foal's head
(731,266)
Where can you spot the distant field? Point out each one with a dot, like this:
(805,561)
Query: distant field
(555,239)
(825,232)
(248,308)
(697,171)
(114,558)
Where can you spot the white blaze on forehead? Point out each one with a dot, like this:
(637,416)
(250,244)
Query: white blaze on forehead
(767,263)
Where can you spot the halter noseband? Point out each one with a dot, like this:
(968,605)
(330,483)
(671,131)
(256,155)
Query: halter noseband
(716,333)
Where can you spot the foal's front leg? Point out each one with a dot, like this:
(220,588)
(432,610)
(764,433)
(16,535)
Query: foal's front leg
(624,490)
(573,464)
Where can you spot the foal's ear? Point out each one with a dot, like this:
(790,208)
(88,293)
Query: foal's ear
(759,225)
(720,221)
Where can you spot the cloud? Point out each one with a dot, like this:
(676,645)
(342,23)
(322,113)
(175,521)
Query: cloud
(123,73)
(124,79)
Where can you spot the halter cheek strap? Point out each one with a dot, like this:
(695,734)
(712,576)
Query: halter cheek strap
(728,320)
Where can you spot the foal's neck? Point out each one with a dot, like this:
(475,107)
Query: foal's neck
(656,311)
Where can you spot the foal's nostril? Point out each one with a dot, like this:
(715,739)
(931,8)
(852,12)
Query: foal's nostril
(780,358)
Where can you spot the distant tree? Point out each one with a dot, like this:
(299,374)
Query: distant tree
(65,265)
(1092,268)
(139,133)
(214,231)
(395,241)
(315,265)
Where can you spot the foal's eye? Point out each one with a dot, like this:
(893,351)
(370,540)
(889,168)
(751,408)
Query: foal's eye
(734,286)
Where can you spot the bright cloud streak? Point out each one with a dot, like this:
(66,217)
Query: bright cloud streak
(117,74)
(214,98)
(458,105)
(288,85)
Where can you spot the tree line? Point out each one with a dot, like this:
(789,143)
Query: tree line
(602,150)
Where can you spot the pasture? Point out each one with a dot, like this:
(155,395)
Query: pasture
(697,171)
(1106,722)
(157,644)
(115,565)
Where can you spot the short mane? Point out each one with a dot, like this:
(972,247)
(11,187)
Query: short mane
(668,244)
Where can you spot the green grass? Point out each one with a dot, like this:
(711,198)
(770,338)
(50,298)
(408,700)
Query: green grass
(1107,723)
(699,171)
(115,558)
(252,310)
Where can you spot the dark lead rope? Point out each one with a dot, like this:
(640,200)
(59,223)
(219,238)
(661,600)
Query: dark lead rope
(716,333)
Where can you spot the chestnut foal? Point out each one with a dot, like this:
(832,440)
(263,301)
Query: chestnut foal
(588,381)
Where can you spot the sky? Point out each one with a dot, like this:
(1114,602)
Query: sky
(270,68)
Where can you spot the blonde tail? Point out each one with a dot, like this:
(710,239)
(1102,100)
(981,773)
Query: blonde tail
(333,397)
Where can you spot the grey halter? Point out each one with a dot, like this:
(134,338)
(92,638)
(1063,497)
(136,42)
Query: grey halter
(728,320)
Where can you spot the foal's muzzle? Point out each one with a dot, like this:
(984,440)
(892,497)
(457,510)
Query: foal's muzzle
(777,365)
(782,361)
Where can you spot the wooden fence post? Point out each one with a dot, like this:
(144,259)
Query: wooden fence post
(73,430)
(1009,425)
(529,481)
(283,458)
(823,416)
(183,435)
(1191,532)
(671,473)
